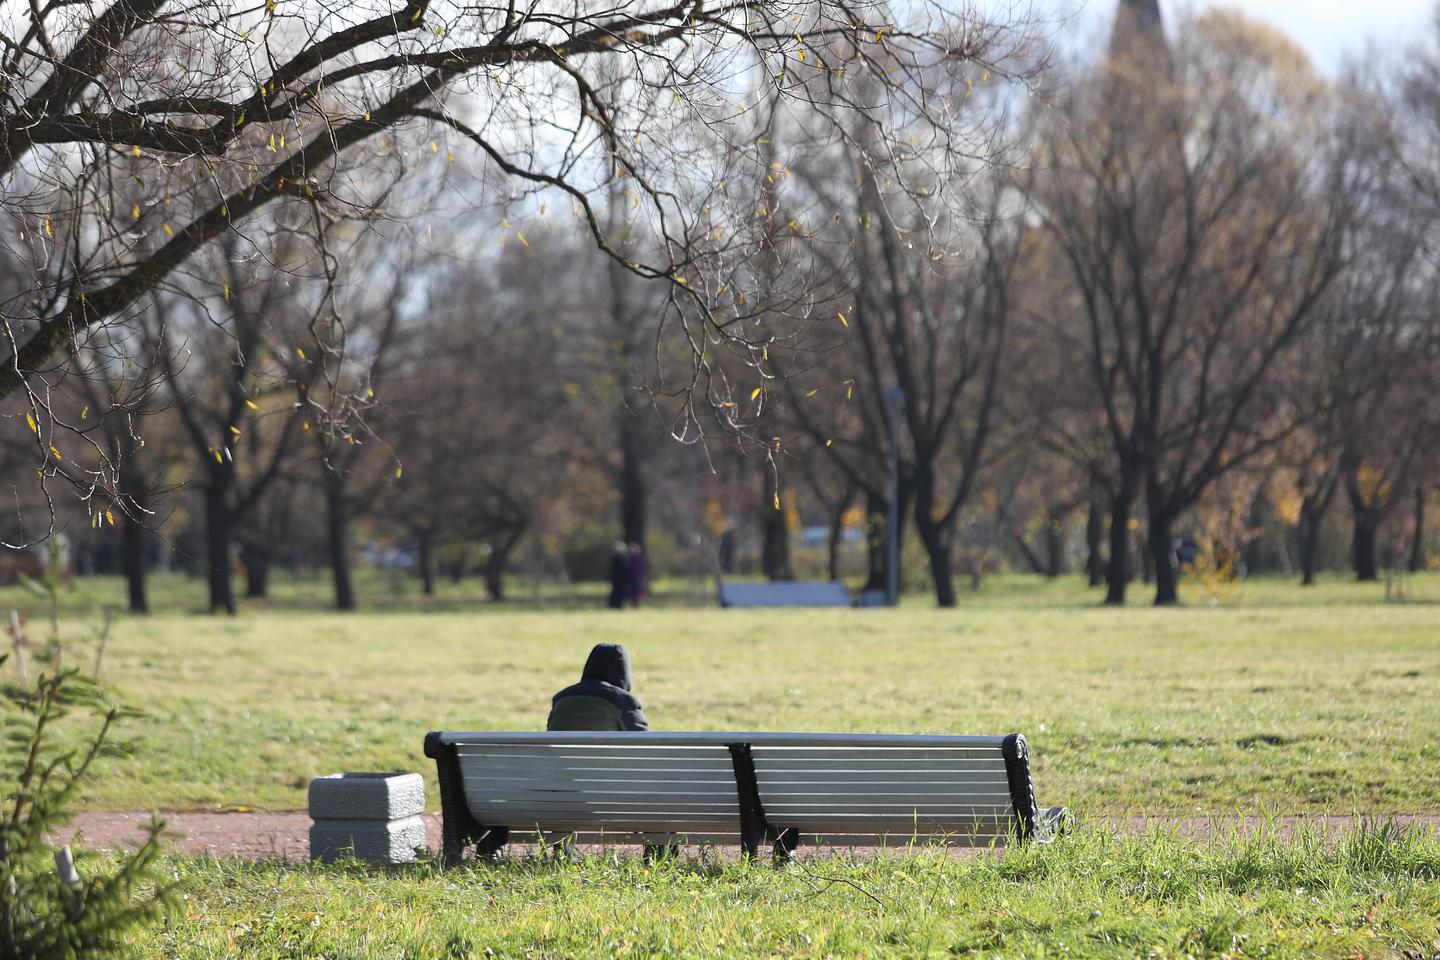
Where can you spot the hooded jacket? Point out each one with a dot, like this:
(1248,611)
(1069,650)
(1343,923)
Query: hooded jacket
(602,699)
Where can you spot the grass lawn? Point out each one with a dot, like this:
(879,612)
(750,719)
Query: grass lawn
(1095,895)
(1255,704)
(1260,698)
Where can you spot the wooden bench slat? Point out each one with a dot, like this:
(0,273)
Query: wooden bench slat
(772,755)
(652,800)
(601,779)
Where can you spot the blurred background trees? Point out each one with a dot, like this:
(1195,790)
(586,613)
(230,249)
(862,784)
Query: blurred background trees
(450,292)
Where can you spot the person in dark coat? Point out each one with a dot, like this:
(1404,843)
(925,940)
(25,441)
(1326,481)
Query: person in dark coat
(619,575)
(602,699)
(635,581)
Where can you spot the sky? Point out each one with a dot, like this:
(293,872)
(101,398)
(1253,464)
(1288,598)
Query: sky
(1328,29)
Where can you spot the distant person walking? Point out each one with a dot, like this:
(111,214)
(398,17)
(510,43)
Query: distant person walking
(635,583)
(602,699)
(619,575)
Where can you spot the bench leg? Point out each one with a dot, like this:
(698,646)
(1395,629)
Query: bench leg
(785,843)
(458,828)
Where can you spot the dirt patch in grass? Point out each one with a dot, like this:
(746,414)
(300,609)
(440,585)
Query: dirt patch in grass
(277,835)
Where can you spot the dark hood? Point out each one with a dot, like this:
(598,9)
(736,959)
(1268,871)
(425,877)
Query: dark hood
(608,663)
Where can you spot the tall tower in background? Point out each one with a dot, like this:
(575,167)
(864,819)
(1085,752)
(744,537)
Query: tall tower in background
(1138,37)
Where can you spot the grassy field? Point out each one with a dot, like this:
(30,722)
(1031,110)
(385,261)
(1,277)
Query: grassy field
(1256,698)
(1254,704)
(1370,894)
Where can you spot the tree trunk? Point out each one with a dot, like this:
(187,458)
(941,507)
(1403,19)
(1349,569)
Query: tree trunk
(1054,546)
(495,564)
(1312,513)
(256,558)
(936,540)
(132,555)
(937,549)
(426,561)
(1417,540)
(1017,535)
(876,512)
(257,572)
(217,542)
(1117,570)
(1367,528)
(632,480)
(837,530)
(775,555)
(1162,559)
(877,519)
(1095,540)
(336,537)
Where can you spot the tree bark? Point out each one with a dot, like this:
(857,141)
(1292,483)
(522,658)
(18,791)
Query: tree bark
(336,523)
(1117,570)
(935,537)
(837,530)
(1367,529)
(1054,546)
(937,549)
(426,560)
(1162,559)
(1417,537)
(257,573)
(132,556)
(1312,514)
(877,514)
(876,511)
(495,564)
(217,542)
(1095,540)
(256,558)
(775,553)
(1017,535)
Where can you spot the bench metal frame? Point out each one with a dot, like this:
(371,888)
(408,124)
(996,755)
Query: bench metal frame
(461,829)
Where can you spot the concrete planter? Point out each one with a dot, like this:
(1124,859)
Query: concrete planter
(372,816)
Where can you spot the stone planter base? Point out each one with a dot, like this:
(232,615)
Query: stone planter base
(372,816)
(375,841)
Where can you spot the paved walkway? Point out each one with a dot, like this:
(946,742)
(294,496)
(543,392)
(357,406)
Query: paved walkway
(286,835)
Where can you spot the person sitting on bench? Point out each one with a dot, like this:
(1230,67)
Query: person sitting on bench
(602,699)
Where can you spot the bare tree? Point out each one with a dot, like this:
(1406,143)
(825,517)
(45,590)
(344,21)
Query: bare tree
(237,380)
(135,132)
(1201,210)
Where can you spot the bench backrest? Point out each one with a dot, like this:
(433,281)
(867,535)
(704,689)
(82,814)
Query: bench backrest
(785,593)
(839,788)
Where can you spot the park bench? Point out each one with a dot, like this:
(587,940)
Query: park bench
(784,593)
(754,788)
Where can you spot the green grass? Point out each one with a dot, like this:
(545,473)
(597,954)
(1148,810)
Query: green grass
(1258,697)
(1372,893)
(1254,704)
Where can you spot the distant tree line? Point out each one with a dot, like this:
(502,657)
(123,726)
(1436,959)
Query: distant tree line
(531,283)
